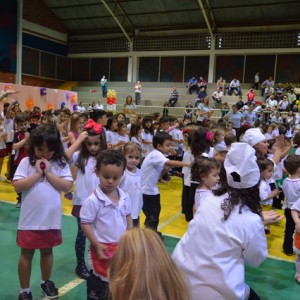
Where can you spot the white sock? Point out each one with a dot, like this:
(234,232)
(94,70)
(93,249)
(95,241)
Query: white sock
(42,281)
(27,290)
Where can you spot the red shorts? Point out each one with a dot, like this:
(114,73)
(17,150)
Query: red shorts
(100,266)
(39,239)
(3,152)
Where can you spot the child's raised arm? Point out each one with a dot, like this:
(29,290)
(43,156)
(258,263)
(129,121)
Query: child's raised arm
(74,147)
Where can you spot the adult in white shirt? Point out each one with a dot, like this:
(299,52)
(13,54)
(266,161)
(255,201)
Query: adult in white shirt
(226,233)
(234,87)
(99,105)
(217,97)
(138,92)
(271,102)
(80,107)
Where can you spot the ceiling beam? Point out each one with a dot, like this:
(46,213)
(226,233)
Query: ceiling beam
(117,21)
(205,18)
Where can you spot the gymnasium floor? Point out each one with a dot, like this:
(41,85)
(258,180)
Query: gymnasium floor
(272,280)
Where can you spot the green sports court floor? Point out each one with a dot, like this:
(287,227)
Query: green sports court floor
(272,280)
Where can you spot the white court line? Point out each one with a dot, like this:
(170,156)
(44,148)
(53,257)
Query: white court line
(168,221)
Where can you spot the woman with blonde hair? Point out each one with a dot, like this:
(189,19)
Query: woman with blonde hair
(142,269)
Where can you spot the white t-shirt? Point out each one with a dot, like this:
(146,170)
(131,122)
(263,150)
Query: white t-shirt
(136,140)
(111,137)
(108,219)
(146,148)
(212,254)
(291,190)
(220,146)
(85,183)
(124,138)
(41,204)
(200,194)
(131,183)
(186,171)
(264,192)
(151,169)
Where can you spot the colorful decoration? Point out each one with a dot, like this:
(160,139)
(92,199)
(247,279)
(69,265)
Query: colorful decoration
(93,91)
(62,105)
(111,100)
(29,103)
(8,86)
(43,91)
(49,106)
(73,98)
(75,107)
(68,95)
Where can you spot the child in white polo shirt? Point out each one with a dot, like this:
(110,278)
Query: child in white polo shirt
(153,165)
(105,215)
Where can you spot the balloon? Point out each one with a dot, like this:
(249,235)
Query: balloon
(29,103)
(62,105)
(73,98)
(68,95)
(49,106)
(75,107)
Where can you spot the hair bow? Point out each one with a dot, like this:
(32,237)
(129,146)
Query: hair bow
(209,136)
(91,124)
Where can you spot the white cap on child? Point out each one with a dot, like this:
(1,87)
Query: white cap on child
(242,171)
(253,136)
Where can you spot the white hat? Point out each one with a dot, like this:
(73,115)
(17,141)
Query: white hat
(253,136)
(242,171)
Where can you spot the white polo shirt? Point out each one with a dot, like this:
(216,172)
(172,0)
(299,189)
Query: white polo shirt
(107,219)
(151,169)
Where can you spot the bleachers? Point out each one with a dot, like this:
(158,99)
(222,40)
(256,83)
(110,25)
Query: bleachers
(153,93)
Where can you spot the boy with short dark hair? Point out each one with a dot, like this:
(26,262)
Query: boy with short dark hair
(153,165)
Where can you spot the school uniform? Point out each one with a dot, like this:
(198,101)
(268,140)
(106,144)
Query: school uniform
(146,148)
(152,167)
(41,211)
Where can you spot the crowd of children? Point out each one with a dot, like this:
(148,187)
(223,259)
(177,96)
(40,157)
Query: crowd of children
(116,162)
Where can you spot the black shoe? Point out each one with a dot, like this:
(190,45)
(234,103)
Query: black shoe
(25,296)
(288,253)
(49,289)
(82,272)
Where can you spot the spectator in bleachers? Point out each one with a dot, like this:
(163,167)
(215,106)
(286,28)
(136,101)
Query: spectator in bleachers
(256,81)
(291,96)
(129,108)
(204,112)
(240,104)
(250,115)
(221,84)
(267,84)
(251,95)
(271,102)
(225,109)
(279,91)
(99,105)
(188,113)
(234,87)
(202,94)
(297,90)
(173,97)
(217,97)
(80,107)
(202,83)
(192,85)
(284,104)
(103,84)
(138,92)
(236,117)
